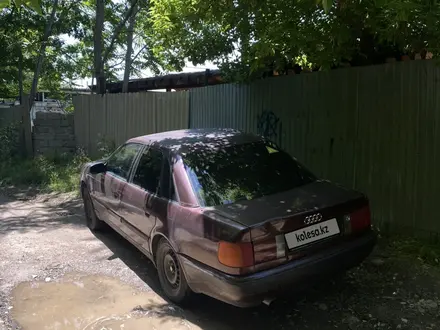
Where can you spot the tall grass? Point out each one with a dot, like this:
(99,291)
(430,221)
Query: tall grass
(55,173)
(59,173)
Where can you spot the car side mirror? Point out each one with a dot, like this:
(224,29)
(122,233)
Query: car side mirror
(98,168)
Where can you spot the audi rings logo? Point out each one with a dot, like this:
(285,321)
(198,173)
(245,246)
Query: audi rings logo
(314,218)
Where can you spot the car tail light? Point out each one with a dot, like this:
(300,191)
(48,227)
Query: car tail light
(360,219)
(236,255)
(270,249)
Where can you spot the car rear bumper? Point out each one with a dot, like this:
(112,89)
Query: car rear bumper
(251,290)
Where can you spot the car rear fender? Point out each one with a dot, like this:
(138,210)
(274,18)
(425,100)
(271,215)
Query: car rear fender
(154,243)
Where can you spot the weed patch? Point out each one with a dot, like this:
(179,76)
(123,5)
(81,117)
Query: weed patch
(59,174)
(427,251)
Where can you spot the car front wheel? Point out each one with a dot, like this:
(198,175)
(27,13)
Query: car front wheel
(92,220)
(171,276)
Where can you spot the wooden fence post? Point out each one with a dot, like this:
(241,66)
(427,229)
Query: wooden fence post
(27,129)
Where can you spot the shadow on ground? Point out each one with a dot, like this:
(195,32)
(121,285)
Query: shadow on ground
(40,212)
(395,293)
(302,308)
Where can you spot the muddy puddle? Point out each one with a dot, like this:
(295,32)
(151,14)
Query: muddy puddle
(92,303)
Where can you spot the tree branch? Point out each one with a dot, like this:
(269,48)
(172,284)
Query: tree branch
(118,30)
(47,33)
(115,65)
(138,53)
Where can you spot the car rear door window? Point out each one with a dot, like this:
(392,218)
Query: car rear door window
(120,161)
(167,189)
(233,173)
(148,172)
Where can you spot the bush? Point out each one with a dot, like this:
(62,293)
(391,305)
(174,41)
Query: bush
(426,250)
(10,142)
(105,146)
(59,173)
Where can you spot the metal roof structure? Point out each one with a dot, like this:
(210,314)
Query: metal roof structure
(177,81)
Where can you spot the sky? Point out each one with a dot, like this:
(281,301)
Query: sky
(189,67)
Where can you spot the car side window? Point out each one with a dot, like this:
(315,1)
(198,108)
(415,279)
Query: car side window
(120,162)
(148,172)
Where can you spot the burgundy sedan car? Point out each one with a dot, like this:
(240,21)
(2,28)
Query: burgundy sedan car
(227,214)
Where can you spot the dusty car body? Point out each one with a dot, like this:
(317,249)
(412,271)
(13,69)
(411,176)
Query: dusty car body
(227,214)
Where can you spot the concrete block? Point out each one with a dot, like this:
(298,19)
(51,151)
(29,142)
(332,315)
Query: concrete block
(43,143)
(40,116)
(64,137)
(49,136)
(64,122)
(55,143)
(68,144)
(41,129)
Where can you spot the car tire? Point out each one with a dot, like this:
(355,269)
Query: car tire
(171,276)
(92,220)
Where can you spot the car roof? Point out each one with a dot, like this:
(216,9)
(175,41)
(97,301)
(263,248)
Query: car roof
(184,140)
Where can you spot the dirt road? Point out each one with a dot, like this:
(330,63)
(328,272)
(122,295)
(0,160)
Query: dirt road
(56,274)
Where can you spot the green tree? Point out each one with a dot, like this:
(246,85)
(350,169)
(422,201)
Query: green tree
(106,41)
(17,37)
(139,45)
(33,45)
(33,4)
(248,38)
(123,41)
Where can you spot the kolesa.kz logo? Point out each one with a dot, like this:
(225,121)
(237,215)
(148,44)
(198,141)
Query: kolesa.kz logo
(322,230)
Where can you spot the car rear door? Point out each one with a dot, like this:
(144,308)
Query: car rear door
(142,203)
(113,182)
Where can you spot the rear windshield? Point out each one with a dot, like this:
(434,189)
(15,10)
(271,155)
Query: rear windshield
(242,172)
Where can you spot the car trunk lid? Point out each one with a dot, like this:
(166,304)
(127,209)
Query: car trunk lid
(290,222)
(289,205)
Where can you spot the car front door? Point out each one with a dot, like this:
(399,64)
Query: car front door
(143,201)
(113,182)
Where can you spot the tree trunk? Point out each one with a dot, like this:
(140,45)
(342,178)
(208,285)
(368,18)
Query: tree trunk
(20,75)
(127,69)
(93,82)
(118,29)
(97,49)
(47,33)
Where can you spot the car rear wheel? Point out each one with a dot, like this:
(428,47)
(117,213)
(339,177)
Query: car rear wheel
(171,276)
(92,220)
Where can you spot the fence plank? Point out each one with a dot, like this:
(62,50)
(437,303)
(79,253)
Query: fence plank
(375,129)
(117,117)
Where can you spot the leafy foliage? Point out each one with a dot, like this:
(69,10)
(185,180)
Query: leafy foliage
(33,4)
(21,32)
(426,250)
(10,137)
(249,38)
(59,173)
(105,146)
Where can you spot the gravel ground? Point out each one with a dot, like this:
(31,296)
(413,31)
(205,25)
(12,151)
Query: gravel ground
(48,259)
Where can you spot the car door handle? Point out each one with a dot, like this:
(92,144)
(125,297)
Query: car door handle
(116,194)
(147,214)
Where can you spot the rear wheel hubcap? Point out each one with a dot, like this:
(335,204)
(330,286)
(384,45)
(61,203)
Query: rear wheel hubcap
(171,269)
